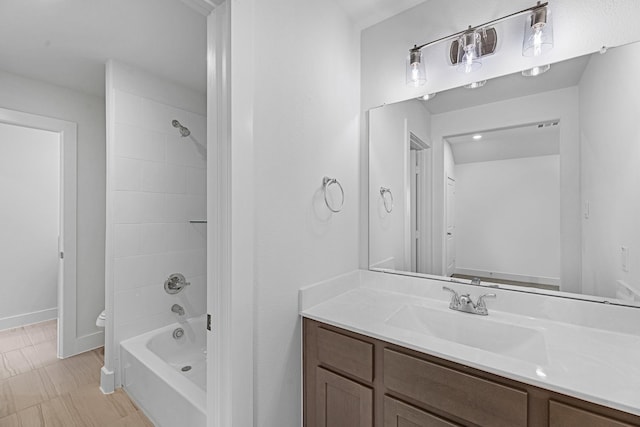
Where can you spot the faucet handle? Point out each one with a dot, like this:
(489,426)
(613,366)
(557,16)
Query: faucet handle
(481,305)
(455,298)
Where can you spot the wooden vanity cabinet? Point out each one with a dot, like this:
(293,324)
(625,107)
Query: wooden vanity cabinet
(351,380)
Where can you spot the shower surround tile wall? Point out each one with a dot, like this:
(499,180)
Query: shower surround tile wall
(157,182)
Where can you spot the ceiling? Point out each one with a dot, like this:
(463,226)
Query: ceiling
(365,13)
(530,140)
(561,75)
(67,42)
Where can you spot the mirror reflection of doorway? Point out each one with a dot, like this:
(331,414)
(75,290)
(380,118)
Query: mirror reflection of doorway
(419,201)
(451,226)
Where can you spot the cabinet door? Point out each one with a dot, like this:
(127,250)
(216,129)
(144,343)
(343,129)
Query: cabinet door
(399,414)
(341,402)
(561,415)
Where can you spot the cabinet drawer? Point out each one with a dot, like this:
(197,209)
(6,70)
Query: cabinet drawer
(342,402)
(474,399)
(399,414)
(349,355)
(562,415)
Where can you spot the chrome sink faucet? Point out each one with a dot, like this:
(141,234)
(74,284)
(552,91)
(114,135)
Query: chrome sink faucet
(465,304)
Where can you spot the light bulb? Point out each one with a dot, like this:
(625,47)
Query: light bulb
(468,59)
(415,72)
(537,41)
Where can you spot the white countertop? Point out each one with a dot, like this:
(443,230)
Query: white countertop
(600,365)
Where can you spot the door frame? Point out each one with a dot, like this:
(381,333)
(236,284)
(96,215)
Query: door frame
(68,134)
(230,275)
(423,221)
(447,209)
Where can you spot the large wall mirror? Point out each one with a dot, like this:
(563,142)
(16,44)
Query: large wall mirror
(528,183)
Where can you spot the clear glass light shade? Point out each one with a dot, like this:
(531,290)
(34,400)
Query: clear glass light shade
(538,33)
(469,52)
(416,70)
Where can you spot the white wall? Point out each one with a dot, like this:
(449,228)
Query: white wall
(29,223)
(610,149)
(553,105)
(157,183)
(389,128)
(295,119)
(385,46)
(508,216)
(32,96)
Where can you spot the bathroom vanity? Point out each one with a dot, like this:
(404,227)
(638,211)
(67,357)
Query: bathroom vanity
(378,354)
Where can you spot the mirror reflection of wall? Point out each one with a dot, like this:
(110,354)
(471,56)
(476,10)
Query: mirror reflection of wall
(507,205)
(543,197)
(399,160)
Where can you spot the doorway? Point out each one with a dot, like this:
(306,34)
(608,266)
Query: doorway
(45,229)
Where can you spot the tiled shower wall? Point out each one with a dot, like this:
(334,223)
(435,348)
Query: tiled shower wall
(158,184)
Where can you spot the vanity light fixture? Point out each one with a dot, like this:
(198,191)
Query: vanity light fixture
(538,32)
(470,45)
(536,71)
(475,85)
(416,70)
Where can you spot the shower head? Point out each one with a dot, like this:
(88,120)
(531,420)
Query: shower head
(183,130)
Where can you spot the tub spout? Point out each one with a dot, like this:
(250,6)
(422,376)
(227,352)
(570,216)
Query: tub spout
(177,308)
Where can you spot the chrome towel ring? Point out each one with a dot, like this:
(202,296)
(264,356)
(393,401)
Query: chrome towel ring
(326,182)
(388,201)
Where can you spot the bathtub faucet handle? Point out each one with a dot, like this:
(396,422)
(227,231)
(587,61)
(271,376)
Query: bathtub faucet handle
(175,283)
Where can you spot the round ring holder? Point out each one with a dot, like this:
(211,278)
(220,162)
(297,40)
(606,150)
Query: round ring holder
(326,182)
(387,201)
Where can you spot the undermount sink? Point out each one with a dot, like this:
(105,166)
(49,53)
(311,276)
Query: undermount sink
(519,342)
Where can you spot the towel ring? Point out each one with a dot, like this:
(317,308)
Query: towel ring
(326,182)
(388,201)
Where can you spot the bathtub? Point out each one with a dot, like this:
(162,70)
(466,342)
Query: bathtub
(153,376)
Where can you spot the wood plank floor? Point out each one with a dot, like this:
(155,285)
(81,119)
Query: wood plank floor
(39,390)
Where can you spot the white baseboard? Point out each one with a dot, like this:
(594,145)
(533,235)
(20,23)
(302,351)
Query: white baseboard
(89,342)
(83,344)
(28,318)
(107,381)
(509,276)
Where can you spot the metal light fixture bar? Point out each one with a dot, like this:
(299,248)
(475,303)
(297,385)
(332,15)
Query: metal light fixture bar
(416,48)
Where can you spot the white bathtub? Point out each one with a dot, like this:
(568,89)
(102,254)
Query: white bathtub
(152,374)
